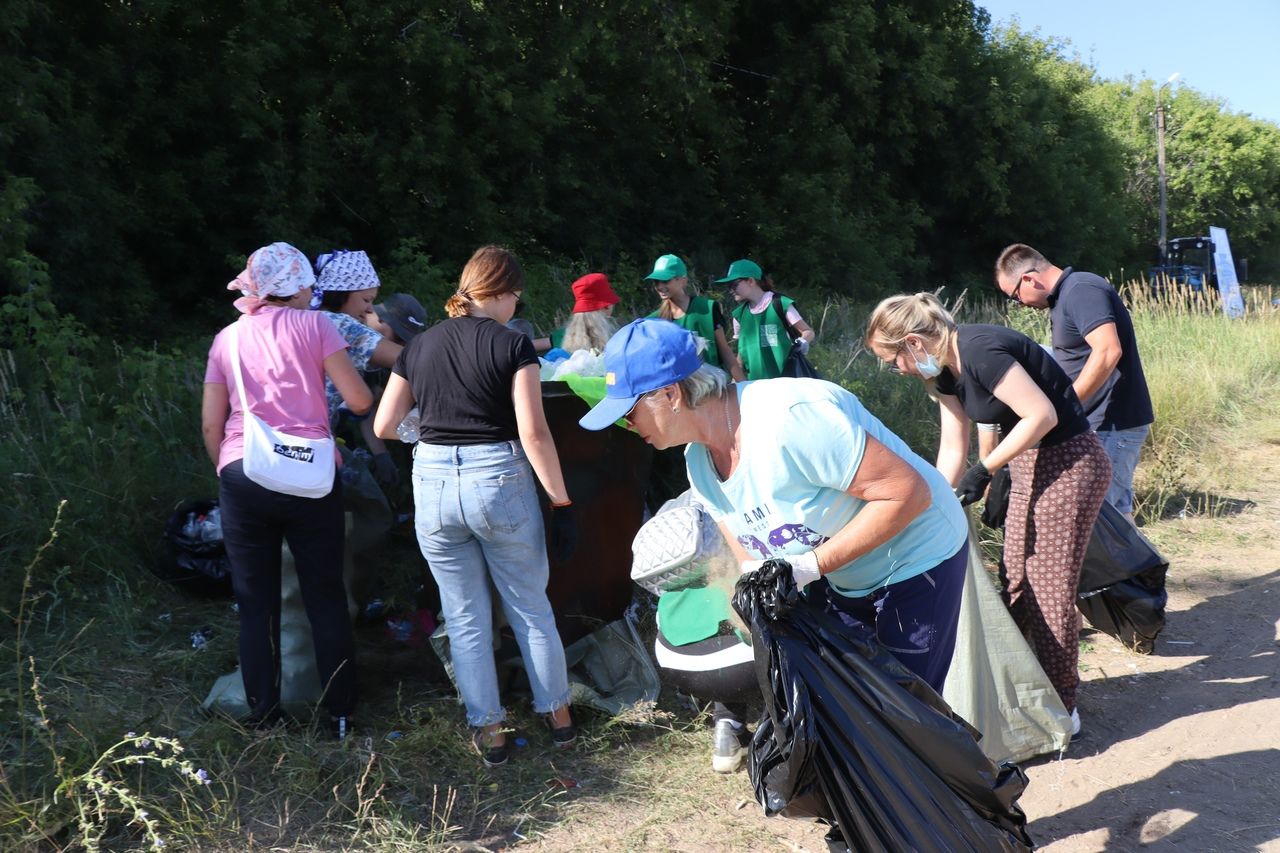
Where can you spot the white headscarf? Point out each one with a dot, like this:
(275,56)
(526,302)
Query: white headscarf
(275,270)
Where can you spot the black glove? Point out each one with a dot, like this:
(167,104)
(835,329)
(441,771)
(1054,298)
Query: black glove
(973,484)
(563,534)
(385,471)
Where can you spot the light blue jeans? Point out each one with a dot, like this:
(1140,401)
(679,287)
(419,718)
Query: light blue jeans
(1124,446)
(478,521)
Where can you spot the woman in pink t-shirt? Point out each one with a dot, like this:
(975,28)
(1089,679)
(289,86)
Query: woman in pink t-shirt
(285,355)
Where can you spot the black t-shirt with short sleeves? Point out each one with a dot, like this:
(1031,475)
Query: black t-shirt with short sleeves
(986,354)
(461,372)
(1080,303)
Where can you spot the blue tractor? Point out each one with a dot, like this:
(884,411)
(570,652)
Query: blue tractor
(1188,263)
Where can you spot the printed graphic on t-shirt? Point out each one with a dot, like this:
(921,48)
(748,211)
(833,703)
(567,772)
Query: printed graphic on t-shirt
(767,537)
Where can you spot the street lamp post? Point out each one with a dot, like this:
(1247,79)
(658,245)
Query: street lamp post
(1164,178)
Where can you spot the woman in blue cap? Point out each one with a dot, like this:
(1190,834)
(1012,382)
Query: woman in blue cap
(698,314)
(798,469)
(766,324)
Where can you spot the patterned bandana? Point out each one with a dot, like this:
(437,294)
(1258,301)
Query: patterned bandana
(275,270)
(344,270)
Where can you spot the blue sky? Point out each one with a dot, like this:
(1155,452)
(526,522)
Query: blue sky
(1226,48)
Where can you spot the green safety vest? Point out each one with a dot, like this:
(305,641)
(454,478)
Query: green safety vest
(698,318)
(763,339)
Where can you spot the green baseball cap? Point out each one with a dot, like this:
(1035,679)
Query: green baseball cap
(666,268)
(742,269)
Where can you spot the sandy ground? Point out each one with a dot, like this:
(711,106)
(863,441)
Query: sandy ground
(1181,748)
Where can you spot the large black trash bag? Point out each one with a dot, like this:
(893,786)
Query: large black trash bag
(1117,552)
(1121,589)
(194,557)
(852,737)
(1132,610)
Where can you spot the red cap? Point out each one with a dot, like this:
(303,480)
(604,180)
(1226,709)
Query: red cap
(592,293)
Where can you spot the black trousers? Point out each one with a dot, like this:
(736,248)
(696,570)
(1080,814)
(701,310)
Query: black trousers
(733,690)
(255,520)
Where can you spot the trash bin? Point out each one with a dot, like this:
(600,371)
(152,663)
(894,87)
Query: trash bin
(606,473)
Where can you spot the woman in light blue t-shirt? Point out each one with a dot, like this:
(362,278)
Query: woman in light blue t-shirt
(799,469)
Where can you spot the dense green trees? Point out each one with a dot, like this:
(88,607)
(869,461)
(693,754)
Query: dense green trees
(856,145)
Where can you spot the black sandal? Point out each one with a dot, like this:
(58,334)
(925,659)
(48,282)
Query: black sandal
(492,756)
(563,737)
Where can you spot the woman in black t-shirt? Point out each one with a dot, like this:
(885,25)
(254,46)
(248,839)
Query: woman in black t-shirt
(483,437)
(1058,469)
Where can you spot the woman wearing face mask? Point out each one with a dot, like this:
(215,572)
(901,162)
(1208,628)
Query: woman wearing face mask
(483,440)
(698,314)
(766,324)
(1059,469)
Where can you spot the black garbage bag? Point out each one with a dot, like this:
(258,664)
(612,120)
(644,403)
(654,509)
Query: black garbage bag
(852,737)
(193,557)
(1117,552)
(1121,590)
(1132,610)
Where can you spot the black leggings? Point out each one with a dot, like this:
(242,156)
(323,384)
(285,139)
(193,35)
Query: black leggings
(732,689)
(254,522)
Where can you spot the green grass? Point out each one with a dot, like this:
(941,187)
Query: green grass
(94,648)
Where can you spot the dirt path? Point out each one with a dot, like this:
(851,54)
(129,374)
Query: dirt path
(1182,748)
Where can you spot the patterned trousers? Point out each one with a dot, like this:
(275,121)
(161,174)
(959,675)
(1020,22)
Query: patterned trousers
(1054,499)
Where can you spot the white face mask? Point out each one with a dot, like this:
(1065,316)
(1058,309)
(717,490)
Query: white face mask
(929,368)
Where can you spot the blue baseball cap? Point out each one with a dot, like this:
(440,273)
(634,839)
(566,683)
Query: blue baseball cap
(643,356)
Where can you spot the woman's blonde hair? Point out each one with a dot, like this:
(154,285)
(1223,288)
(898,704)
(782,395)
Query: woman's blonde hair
(666,309)
(921,314)
(588,330)
(491,272)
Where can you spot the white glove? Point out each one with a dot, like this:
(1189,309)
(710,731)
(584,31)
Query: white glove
(802,346)
(804,567)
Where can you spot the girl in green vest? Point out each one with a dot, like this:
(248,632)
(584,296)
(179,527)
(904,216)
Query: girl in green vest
(766,324)
(697,314)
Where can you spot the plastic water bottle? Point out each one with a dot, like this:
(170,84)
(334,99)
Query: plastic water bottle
(408,429)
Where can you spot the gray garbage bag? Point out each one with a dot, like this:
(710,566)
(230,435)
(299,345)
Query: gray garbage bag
(300,688)
(609,669)
(995,682)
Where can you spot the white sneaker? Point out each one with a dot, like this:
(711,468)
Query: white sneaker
(1075,722)
(730,747)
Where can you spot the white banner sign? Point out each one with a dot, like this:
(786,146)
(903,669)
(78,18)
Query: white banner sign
(1228,284)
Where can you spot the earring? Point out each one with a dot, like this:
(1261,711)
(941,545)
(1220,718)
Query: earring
(675,410)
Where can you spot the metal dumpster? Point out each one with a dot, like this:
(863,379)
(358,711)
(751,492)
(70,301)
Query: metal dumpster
(607,473)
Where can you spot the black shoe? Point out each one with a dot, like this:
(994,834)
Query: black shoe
(563,737)
(492,756)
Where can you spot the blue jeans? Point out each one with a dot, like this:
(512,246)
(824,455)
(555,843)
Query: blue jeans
(1124,446)
(478,522)
(915,619)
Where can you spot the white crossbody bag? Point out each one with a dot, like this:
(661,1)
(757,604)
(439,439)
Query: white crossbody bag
(276,460)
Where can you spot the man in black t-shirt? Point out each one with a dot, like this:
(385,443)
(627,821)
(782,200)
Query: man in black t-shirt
(1094,342)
